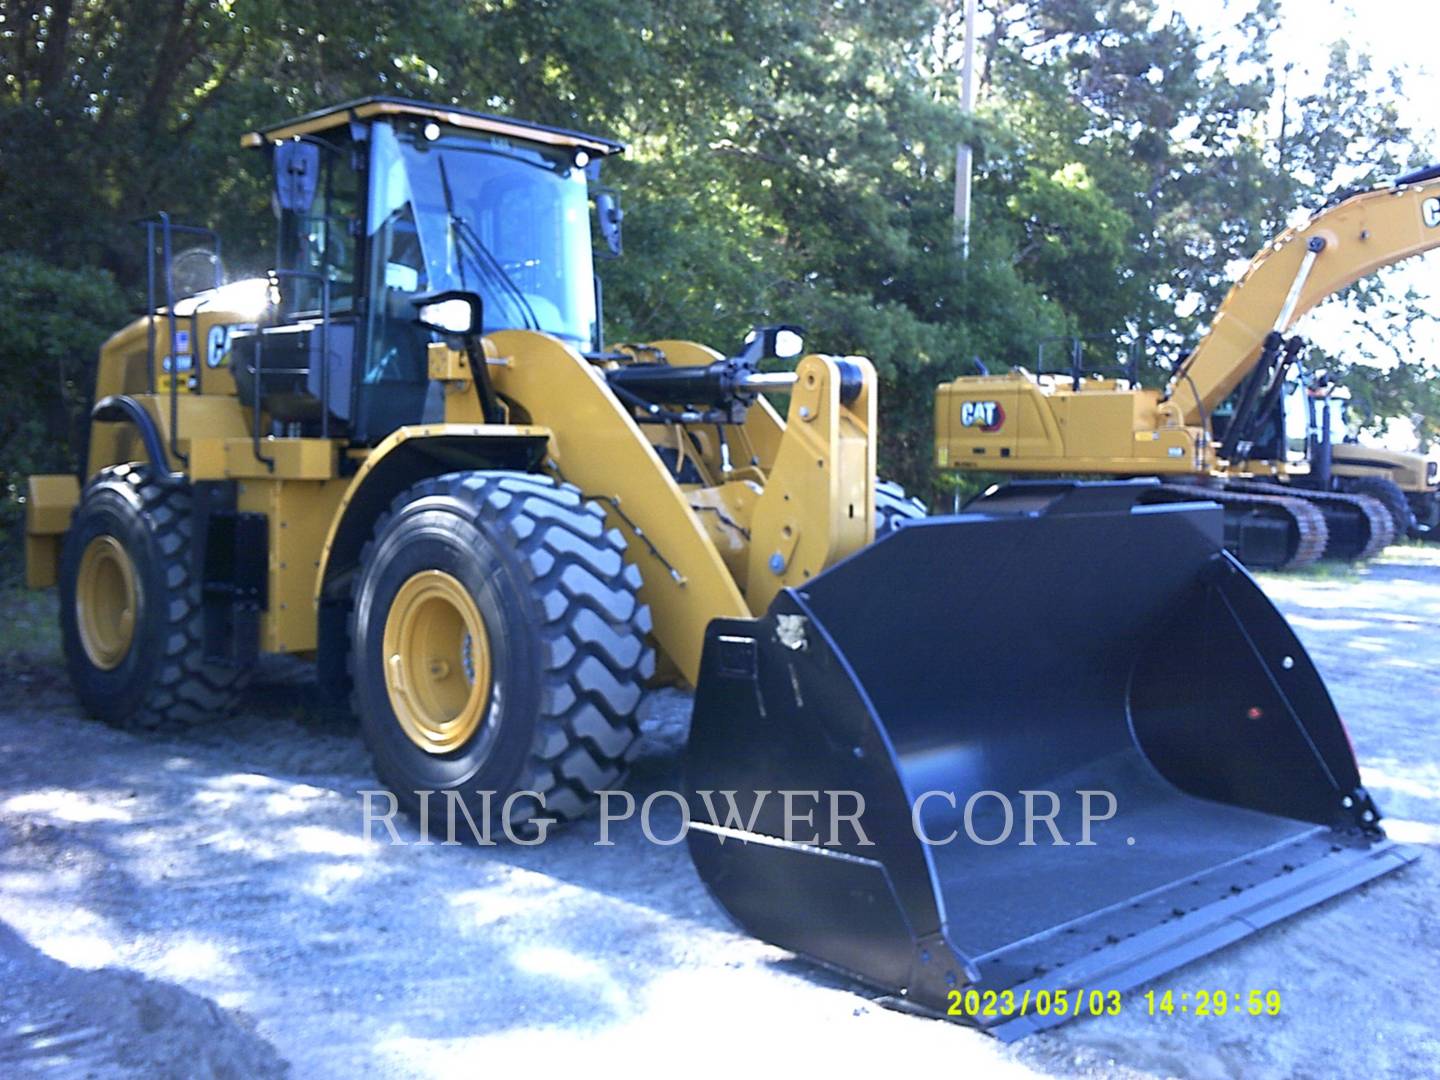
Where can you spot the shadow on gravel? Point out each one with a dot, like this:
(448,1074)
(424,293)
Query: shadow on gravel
(231,858)
(60,1021)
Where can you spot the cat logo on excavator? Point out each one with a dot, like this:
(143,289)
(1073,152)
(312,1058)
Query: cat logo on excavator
(986,415)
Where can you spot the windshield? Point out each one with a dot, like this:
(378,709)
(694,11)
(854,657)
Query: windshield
(507,220)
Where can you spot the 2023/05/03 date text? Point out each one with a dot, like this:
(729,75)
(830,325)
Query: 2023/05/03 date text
(1202,1003)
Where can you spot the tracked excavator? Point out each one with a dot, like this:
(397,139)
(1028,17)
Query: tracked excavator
(407,454)
(1198,434)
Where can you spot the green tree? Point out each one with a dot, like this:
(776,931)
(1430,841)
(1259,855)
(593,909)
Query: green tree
(54,323)
(788,161)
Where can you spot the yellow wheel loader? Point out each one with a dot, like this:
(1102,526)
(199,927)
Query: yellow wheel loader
(406,454)
(1407,483)
(1199,434)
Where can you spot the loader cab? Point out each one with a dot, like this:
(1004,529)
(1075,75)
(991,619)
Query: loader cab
(382,203)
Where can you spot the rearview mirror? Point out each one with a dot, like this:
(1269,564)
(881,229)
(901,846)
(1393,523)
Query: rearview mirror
(297,175)
(773,343)
(456,313)
(607,210)
(788,343)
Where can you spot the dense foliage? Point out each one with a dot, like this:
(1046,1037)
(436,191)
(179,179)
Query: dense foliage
(788,160)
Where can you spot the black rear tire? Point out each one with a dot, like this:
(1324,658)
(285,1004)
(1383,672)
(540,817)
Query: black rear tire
(1392,496)
(893,506)
(161,681)
(567,644)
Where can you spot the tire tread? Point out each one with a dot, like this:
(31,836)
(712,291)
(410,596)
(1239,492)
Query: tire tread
(893,506)
(595,651)
(186,690)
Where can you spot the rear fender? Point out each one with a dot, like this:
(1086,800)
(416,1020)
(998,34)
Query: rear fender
(49,503)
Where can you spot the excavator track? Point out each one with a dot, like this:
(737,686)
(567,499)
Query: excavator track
(1307,534)
(1359,526)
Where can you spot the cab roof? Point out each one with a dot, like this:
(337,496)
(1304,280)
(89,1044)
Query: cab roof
(367,108)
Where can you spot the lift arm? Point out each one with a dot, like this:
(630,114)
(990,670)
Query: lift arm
(1300,269)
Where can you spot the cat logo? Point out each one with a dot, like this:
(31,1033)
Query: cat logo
(217,346)
(1430,212)
(986,415)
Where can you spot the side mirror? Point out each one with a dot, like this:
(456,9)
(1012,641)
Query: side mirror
(773,343)
(297,174)
(607,209)
(456,313)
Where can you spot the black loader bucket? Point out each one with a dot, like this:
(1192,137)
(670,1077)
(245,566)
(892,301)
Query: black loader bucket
(1108,658)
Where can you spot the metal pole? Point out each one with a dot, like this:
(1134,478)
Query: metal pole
(769,380)
(963,155)
(1326,457)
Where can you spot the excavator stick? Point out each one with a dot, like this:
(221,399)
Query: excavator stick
(1082,750)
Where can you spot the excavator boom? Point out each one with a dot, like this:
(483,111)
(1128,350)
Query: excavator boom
(1334,249)
(1046,424)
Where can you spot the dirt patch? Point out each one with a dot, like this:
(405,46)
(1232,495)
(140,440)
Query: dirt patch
(223,874)
(61,1021)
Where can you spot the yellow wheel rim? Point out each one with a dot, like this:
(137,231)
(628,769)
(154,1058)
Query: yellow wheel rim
(106,602)
(437,662)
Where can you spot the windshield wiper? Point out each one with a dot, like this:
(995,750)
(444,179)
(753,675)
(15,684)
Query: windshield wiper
(450,215)
(483,257)
(485,260)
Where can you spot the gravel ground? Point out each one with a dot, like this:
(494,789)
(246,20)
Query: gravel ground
(207,906)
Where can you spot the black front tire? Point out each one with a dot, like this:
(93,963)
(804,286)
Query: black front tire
(568,648)
(162,682)
(893,506)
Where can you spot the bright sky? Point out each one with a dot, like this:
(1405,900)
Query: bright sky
(1398,34)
